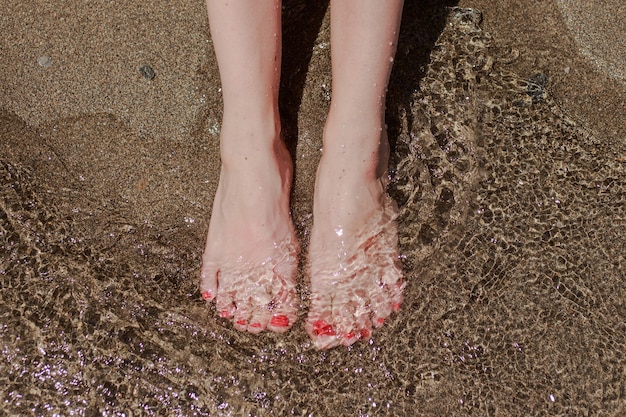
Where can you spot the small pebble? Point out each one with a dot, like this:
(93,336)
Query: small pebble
(147,72)
(536,87)
(44,61)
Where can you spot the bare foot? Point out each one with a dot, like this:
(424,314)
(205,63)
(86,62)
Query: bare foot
(356,282)
(250,260)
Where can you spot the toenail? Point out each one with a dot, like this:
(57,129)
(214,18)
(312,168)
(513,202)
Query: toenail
(320,327)
(396,307)
(225,314)
(257,325)
(364,334)
(350,335)
(206,295)
(242,322)
(280,321)
(380,321)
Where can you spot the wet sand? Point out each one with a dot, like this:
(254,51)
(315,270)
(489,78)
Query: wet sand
(509,172)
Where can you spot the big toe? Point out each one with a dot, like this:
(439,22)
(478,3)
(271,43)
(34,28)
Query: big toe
(322,333)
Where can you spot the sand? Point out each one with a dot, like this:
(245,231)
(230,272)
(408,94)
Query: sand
(508,165)
(580,45)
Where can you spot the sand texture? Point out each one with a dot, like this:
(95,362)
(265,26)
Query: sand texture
(512,194)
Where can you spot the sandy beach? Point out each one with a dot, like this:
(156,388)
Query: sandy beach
(509,166)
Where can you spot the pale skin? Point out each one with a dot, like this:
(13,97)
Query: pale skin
(249,263)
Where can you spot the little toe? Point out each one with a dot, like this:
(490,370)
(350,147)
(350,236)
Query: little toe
(397,297)
(381,307)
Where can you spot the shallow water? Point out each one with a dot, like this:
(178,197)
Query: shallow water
(512,228)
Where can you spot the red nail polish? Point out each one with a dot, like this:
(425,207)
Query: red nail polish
(225,314)
(320,327)
(280,321)
(207,295)
(242,322)
(396,307)
(257,325)
(364,334)
(380,321)
(349,335)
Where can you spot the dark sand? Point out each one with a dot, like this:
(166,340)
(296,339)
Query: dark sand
(509,167)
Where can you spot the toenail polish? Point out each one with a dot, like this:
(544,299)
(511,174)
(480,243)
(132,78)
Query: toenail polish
(206,295)
(242,322)
(225,314)
(380,321)
(396,307)
(320,327)
(280,321)
(257,325)
(364,334)
(350,335)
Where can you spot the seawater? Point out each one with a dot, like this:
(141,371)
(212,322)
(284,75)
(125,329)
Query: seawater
(511,228)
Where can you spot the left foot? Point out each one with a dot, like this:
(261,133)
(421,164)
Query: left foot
(356,282)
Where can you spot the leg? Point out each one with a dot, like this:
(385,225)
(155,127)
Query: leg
(355,279)
(250,259)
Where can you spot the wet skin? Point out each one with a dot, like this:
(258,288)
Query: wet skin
(250,259)
(356,282)
(355,279)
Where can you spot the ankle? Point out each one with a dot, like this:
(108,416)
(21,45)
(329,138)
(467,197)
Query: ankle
(358,145)
(248,142)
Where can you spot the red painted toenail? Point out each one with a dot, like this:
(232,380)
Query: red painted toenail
(207,295)
(320,327)
(242,322)
(364,334)
(380,321)
(350,335)
(280,321)
(225,314)
(396,307)
(255,325)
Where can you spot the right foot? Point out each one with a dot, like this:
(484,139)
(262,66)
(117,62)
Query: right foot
(250,260)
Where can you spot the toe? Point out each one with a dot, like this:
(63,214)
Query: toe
(356,335)
(283,309)
(322,333)
(240,324)
(282,318)
(381,307)
(325,342)
(259,321)
(397,296)
(280,323)
(208,280)
(225,306)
